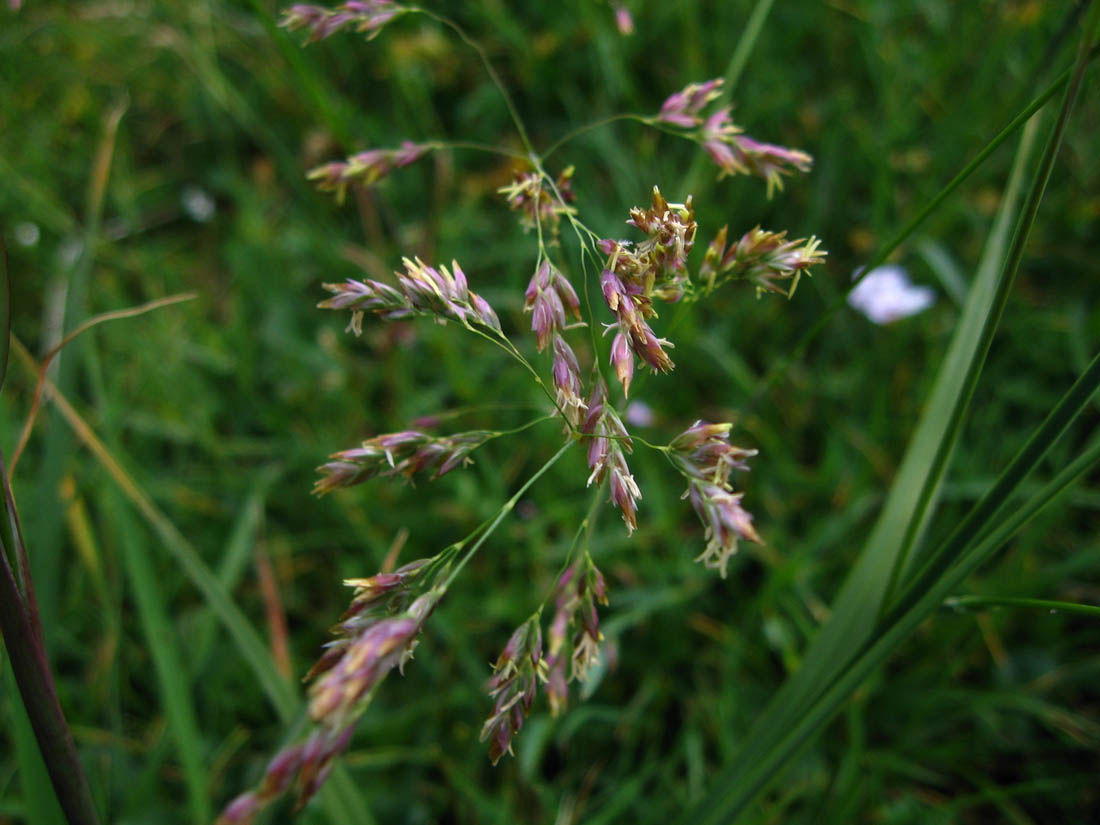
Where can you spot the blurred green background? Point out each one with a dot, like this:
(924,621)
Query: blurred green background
(154,148)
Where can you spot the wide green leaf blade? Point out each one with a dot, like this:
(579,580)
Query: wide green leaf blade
(902,623)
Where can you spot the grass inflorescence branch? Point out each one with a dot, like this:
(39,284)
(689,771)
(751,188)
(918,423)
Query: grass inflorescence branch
(380,630)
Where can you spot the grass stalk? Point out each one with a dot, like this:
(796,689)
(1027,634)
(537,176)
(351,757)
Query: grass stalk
(39,802)
(30,667)
(738,60)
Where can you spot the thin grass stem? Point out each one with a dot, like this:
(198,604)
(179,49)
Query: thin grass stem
(589,127)
(738,60)
(504,510)
(44,363)
(26,651)
(1049,605)
(472,146)
(489,69)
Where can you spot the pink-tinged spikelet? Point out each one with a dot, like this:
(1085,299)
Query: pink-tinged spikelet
(376,634)
(763,258)
(367,16)
(607,454)
(424,290)
(706,458)
(406,453)
(683,107)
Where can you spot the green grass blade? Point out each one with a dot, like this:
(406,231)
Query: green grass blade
(945,268)
(162,645)
(989,509)
(945,411)
(38,793)
(895,630)
(738,60)
(861,597)
(343,800)
(1050,605)
(234,560)
(340,798)
(884,558)
(975,555)
(911,226)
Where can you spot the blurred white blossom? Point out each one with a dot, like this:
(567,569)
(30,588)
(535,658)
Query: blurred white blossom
(26,233)
(198,204)
(639,414)
(886,294)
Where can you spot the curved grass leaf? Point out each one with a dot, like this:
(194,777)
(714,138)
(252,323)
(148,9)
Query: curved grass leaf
(810,697)
(343,802)
(47,359)
(994,506)
(893,632)
(912,225)
(1049,605)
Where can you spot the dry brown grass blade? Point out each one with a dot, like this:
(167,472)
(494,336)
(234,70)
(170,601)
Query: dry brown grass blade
(274,611)
(124,480)
(114,315)
(252,649)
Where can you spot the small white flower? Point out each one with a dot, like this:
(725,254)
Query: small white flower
(886,294)
(639,414)
(198,204)
(26,233)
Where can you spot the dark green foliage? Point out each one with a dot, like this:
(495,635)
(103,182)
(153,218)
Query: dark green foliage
(221,407)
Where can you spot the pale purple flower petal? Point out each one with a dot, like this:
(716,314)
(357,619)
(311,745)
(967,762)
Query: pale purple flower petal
(624,21)
(886,294)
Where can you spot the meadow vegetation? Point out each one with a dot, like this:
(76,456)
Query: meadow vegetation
(186,578)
